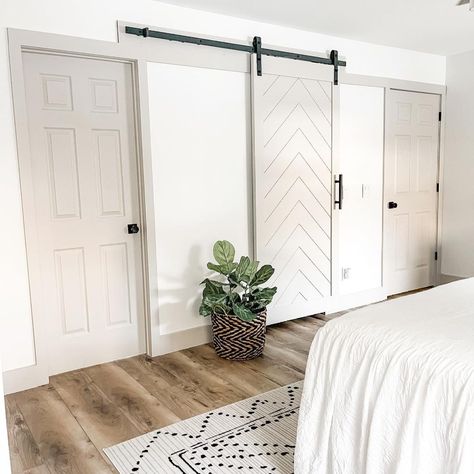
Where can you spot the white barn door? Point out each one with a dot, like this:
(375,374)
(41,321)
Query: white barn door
(292,110)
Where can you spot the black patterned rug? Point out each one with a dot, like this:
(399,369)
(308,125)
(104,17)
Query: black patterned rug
(255,435)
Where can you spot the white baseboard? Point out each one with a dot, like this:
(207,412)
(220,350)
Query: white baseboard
(17,380)
(176,341)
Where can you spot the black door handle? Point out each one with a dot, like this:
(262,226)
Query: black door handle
(133,228)
(392,205)
(338,202)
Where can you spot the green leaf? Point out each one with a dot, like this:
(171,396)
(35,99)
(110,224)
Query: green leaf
(223,270)
(221,309)
(205,310)
(217,303)
(245,270)
(212,288)
(242,268)
(251,270)
(264,296)
(215,282)
(215,299)
(263,275)
(235,298)
(224,252)
(242,312)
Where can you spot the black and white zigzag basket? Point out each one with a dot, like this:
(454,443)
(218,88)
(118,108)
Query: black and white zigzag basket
(236,339)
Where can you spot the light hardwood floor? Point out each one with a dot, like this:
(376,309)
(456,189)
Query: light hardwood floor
(63,426)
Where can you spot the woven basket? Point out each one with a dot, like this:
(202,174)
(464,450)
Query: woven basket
(236,339)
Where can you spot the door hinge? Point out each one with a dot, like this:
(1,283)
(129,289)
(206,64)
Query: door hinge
(437,187)
(436,255)
(439,116)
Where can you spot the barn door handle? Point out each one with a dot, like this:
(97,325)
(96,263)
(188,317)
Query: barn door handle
(338,181)
(392,205)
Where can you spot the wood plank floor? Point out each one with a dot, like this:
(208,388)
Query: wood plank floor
(63,426)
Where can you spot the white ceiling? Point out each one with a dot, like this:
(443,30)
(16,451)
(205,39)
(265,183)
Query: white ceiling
(433,26)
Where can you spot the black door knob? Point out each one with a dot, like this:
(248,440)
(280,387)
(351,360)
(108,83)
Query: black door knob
(133,228)
(392,205)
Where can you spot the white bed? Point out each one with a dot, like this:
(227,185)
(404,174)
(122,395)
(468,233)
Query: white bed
(389,388)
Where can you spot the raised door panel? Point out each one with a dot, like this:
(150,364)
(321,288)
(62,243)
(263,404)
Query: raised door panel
(57,92)
(426,166)
(116,284)
(401,175)
(104,95)
(402,238)
(72,292)
(63,172)
(109,172)
(423,231)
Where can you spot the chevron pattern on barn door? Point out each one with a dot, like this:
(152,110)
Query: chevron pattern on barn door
(294,231)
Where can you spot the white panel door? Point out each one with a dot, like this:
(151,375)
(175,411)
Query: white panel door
(84,165)
(411,173)
(292,109)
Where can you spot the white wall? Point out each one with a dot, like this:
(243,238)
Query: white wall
(200,126)
(97,20)
(361,162)
(457,242)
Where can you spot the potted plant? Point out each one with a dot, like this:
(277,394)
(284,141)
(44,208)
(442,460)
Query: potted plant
(237,304)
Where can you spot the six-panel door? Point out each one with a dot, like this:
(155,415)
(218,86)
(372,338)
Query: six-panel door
(411,173)
(84,162)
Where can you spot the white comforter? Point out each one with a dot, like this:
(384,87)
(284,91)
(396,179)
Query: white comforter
(389,388)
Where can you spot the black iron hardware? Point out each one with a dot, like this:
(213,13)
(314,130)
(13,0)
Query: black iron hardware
(338,181)
(133,228)
(256,48)
(392,205)
(335,61)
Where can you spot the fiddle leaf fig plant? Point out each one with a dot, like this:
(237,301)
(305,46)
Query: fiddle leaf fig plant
(239,293)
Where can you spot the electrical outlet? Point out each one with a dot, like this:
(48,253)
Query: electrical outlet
(346,273)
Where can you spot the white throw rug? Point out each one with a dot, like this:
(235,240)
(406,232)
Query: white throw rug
(255,435)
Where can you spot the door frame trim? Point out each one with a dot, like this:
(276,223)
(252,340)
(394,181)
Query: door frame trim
(21,42)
